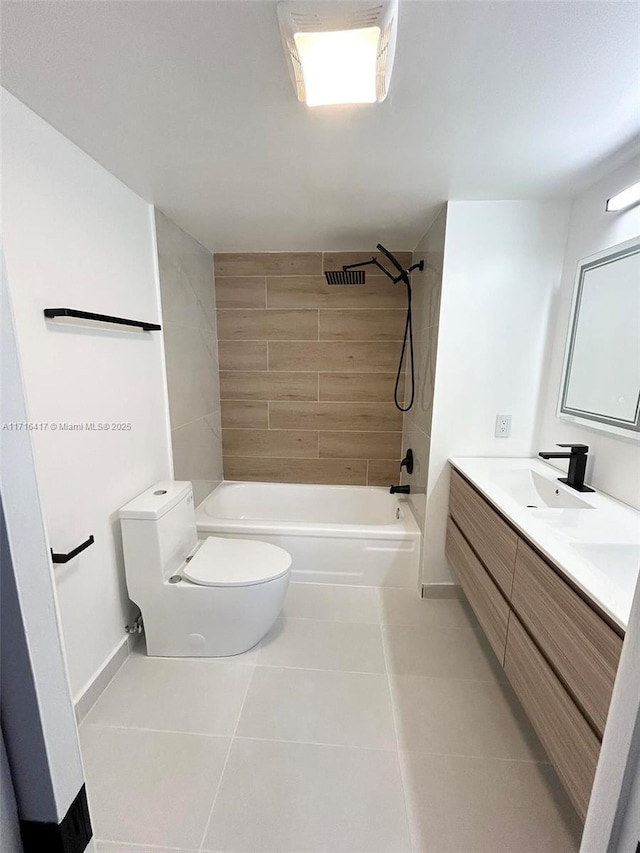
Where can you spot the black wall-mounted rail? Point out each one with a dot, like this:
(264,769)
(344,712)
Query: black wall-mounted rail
(64,558)
(50,313)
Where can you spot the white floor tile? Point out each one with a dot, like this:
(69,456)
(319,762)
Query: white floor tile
(480,805)
(439,652)
(305,643)
(152,788)
(116,847)
(292,798)
(333,603)
(310,706)
(458,717)
(405,607)
(171,694)
(314,767)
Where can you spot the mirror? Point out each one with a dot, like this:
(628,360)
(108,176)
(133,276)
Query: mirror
(600,385)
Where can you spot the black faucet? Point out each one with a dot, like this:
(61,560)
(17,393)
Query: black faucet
(407,462)
(400,490)
(577,465)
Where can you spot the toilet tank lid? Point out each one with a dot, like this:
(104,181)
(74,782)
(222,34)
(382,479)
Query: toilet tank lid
(154,502)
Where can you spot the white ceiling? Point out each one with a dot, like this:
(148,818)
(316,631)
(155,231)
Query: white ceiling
(190,104)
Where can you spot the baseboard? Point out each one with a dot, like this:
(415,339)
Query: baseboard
(93,690)
(441,590)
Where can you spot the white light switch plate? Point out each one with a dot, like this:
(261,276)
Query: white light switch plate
(503,426)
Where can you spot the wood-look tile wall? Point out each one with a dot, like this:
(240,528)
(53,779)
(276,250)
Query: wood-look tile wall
(307,370)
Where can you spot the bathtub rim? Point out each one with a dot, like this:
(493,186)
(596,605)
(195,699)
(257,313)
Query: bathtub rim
(405,528)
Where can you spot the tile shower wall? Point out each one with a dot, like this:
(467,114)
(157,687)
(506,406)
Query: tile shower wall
(307,370)
(189,328)
(427,287)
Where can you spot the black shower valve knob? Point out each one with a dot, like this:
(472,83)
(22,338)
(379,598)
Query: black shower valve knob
(407,462)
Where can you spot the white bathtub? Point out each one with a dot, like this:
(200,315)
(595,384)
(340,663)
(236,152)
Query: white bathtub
(335,534)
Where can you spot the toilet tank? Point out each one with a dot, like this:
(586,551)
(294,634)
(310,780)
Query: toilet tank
(158,532)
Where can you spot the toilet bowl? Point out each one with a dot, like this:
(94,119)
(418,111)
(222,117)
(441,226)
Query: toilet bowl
(212,598)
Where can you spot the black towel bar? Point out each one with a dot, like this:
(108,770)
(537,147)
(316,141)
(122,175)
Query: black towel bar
(64,558)
(101,318)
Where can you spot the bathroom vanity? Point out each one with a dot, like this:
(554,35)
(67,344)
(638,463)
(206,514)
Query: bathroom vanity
(550,575)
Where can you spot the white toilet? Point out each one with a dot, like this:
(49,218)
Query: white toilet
(198,599)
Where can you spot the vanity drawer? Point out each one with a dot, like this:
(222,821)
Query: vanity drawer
(491,537)
(483,595)
(579,644)
(568,739)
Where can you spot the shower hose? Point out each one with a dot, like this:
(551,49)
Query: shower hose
(408,339)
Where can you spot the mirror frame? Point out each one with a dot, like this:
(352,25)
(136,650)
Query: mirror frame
(579,416)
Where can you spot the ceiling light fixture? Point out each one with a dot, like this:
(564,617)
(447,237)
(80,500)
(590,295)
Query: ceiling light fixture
(626,198)
(337,52)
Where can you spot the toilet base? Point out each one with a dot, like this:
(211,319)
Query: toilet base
(188,620)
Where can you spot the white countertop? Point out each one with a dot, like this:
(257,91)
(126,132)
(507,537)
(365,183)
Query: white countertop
(597,546)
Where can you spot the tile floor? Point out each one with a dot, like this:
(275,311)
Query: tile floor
(367,721)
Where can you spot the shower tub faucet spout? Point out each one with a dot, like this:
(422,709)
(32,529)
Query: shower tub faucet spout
(400,490)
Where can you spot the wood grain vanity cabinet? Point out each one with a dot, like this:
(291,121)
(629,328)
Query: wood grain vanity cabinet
(492,538)
(569,740)
(576,641)
(558,652)
(484,596)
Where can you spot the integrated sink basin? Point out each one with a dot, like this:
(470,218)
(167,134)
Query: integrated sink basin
(532,490)
(592,539)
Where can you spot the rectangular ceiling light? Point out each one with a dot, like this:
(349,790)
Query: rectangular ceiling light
(626,198)
(339,67)
(337,52)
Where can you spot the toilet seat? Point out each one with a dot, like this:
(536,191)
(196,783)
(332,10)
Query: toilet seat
(236,562)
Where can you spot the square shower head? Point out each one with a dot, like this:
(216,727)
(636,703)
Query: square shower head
(345,276)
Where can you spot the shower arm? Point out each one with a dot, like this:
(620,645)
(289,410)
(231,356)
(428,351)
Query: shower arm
(404,274)
(373,261)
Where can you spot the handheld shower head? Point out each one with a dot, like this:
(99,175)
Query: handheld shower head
(390,257)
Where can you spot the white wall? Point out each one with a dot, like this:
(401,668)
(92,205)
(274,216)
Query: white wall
(615,462)
(613,819)
(502,262)
(38,721)
(9,829)
(74,236)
